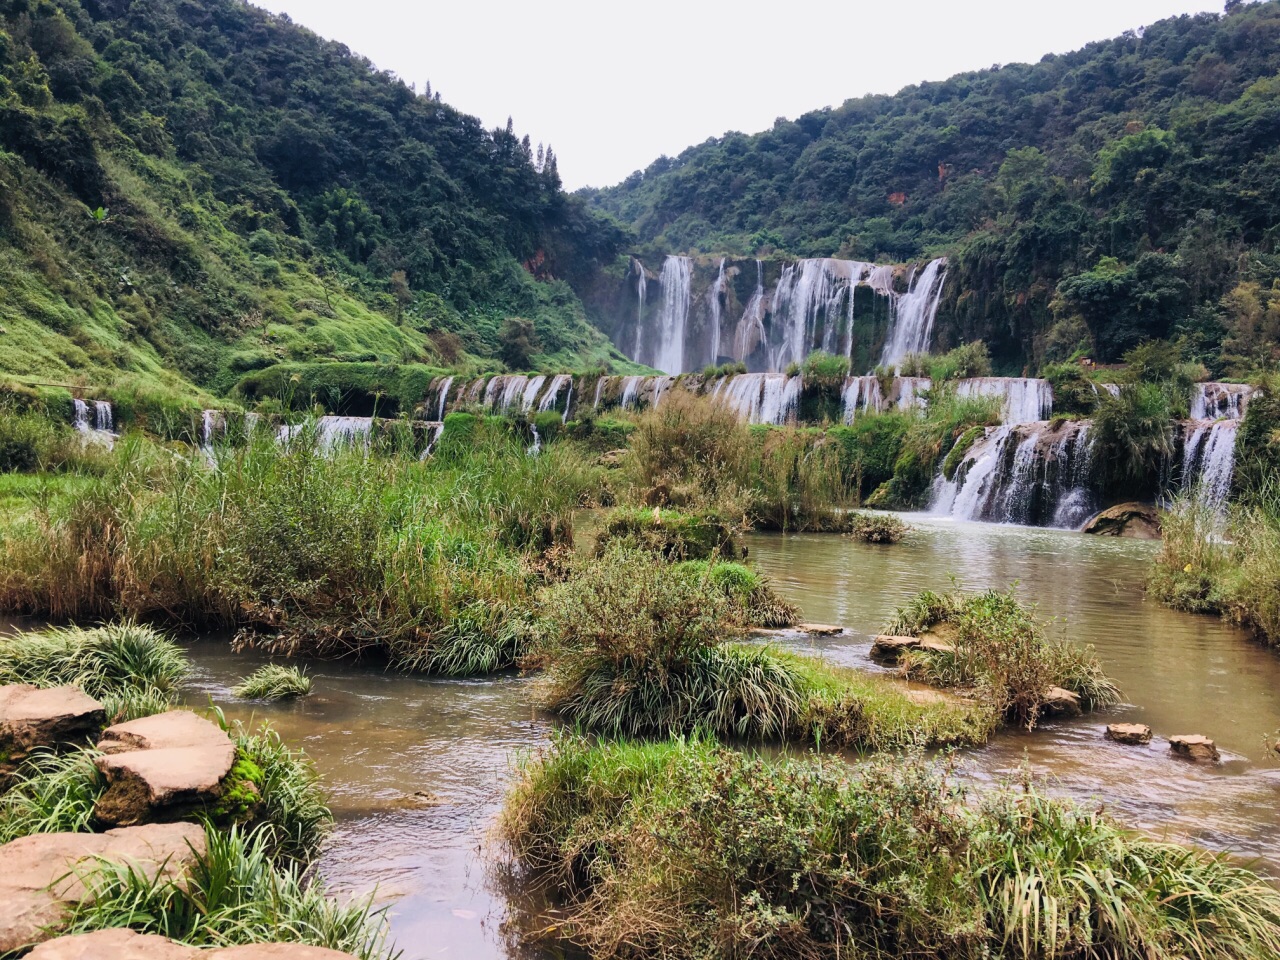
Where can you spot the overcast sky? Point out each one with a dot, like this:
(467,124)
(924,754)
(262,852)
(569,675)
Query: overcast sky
(612,86)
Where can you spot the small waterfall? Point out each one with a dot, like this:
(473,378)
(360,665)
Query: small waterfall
(600,385)
(436,429)
(103,417)
(714,311)
(333,431)
(558,383)
(751,332)
(445,387)
(1025,400)
(208,426)
(908,393)
(741,394)
(80,415)
(1214,401)
(779,398)
(530,393)
(536,447)
(1208,461)
(630,392)
(675,281)
(911,328)
(1075,452)
(568,402)
(477,389)
(760,397)
(641,283)
(96,420)
(860,395)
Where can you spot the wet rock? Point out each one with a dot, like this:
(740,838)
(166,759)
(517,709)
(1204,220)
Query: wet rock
(890,648)
(1059,702)
(1195,747)
(820,629)
(32,718)
(40,875)
(1133,734)
(128,945)
(161,767)
(1137,521)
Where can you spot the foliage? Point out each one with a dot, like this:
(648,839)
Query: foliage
(1133,436)
(991,642)
(759,605)
(877,527)
(273,681)
(54,793)
(689,849)
(1073,392)
(672,534)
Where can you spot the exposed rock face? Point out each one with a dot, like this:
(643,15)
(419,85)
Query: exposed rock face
(1059,702)
(162,767)
(1137,521)
(1133,734)
(128,945)
(890,648)
(32,718)
(1195,747)
(39,874)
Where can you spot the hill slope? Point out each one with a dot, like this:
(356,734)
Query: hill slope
(193,190)
(1125,191)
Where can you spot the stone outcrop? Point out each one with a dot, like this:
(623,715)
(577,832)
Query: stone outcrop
(820,629)
(1195,747)
(128,945)
(1132,734)
(1137,521)
(162,767)
(41,875)
(890,648)
(31,718)
(1060,702)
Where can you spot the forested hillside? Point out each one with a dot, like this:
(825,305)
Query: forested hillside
(1130,190)
(193,190)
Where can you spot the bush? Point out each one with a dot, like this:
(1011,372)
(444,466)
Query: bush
(671,534)
(273,681)
(961,363)
(1073,392)
(758,604)
(688,849)
(1133,437)
(689,442)
(877,527)
(991,642)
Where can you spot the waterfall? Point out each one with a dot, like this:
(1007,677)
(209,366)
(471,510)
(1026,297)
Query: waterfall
(1075,451)
(630,392)
(80,415)
(751,332)
(1212,401)
(1208,461)
(531,393)
(641,283)
(715,310)
(779,398)
(908,392)
(675,281)
(808,302)
(760,397)
(333,431)
(208,423)
(445,387)
(860,395)
(436,430)
(741,394)
(911,327)
(103,416)
(1025,400)
(600,385)
(97,421)
(568,402)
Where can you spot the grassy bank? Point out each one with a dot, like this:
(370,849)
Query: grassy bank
(687,849)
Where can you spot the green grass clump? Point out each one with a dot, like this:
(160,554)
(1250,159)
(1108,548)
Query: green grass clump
(684,848)
(235,893)
(273,681)
(992,643)
(877,527)
(54,793)
(133,669)
(672,534)
(759,604)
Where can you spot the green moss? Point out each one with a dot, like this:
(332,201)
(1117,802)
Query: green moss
(957,453)
(241,794)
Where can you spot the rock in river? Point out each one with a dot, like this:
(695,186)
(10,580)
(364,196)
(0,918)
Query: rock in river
(1137,521)
(1059,702)
(890,648)
(40,875)
(1133,734)
(162,767)
(32,718)
(1194,747)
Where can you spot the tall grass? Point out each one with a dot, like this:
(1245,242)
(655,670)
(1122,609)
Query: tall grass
(55,793)
(273,681)
(683,848)
(235,893)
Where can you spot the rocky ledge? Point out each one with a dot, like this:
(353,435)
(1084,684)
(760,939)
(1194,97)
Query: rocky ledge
(42,875)
(127,945)
(1137,521)
(32,718)
(162,768)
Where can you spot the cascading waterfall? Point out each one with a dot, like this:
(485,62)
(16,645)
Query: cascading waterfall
(333,431)
(715,311)
(1025,400)
(600,385)
(531,393)
(675,282)
(751,332)
(630,392)
(1212,401)
(445,387)
(760,397)
(908,393)
(860,395)
(80,415)
(815,296)
(641,284)
(911,328)
(1208,461)
(97,421)
(103,416)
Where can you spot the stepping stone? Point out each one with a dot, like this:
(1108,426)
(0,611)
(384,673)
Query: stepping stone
(161,767)
(122,944)
(820,629)
(38,873)
(890,648)
(1194,747)
(1133,734)
(31,718)
(1059,702)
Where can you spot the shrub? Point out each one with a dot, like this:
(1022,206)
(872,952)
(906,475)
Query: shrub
(825,369)
(990,641)
(688,441)
(689,849)
(671,534)
(877,527)
(1133,436)
(273,681)
(1073,392)
(758,604)
(960,363)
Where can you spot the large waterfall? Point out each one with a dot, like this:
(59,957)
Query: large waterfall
(665,347)
(716,311)
(912,328)
(1208,460)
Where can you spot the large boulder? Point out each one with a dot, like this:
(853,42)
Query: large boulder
(1133,734)
(128,945)
(31,718)
(1060,702)
(1137,521)
(162,768)
(43,874)
(890,648)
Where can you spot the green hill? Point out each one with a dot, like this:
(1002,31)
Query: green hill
(191,191)
(1130,190)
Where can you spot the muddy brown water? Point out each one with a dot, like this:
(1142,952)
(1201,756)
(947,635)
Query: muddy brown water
(379,739)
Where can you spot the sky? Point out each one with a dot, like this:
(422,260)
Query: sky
(612,86)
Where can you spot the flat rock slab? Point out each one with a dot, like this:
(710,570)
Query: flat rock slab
(890,648)
(820,629)
(159,767)
(936,646)
(1194,747)
(128,945)
(40,875)
(1133,734)
(55,717)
